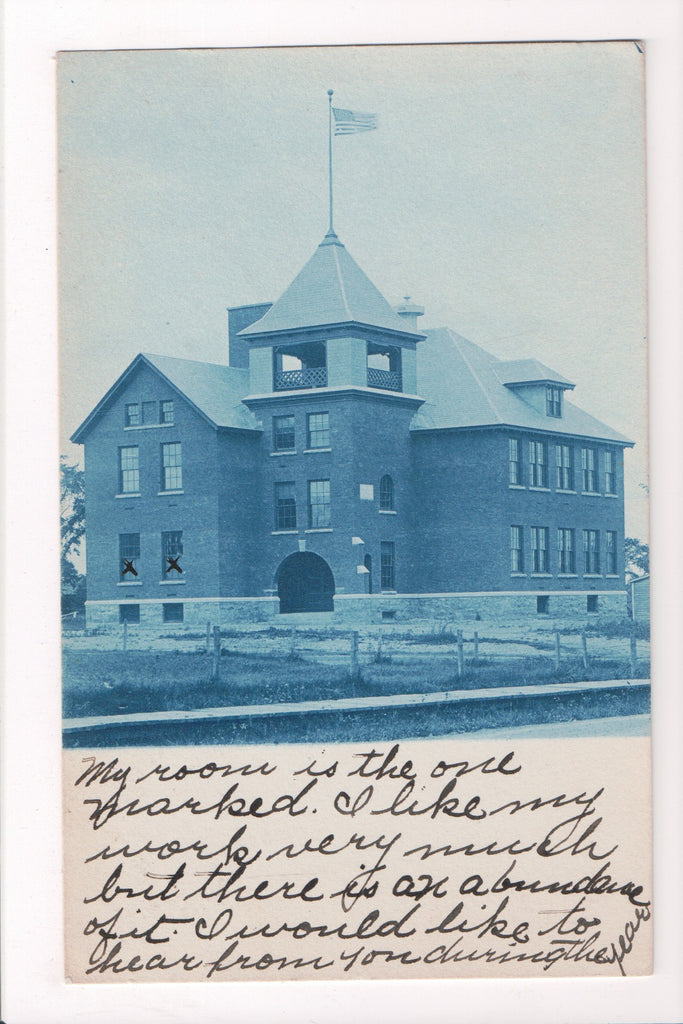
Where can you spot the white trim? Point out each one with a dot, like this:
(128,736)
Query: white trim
(285,451)
(565,490)
(542,575)
(518,487)
(532,487)
(595,494)
(283,533)
(133,583)
(161,494)
(172,583)
(387,511)
(337,389)
(149,426)
(309,451)
(319,529)
(130,494)
(609,494)
(196,600)
(379,597)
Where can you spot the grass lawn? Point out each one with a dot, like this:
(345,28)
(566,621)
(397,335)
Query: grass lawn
(110,682)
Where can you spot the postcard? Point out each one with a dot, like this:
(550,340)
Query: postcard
(354,513)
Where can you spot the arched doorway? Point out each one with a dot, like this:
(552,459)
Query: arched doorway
(305,584)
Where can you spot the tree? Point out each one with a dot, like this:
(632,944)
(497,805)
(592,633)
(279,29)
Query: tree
(72,510)
(636,556)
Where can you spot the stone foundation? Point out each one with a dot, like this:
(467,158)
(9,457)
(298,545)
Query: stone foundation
(370,609)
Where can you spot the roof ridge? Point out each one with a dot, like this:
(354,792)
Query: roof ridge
(341,281)
(474,373)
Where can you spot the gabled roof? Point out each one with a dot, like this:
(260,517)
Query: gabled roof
(330,289)
(529,371)
(462,388)
(214,390)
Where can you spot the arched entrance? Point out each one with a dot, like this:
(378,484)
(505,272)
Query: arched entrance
(305,584)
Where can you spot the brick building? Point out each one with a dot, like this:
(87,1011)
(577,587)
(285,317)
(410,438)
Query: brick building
(342,460)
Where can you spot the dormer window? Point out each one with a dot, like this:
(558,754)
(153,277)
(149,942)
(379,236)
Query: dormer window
(553,401)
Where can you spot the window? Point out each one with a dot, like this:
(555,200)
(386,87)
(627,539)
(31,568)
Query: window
(167,411)
(538,464)
(129,553)
(129,613)
(566,555)
(516,549)
(553,401)
(592,603)
(283,433)
(319,504)
(539,549)
(564,457)
(129,470)
(171,551)
(133,414)
(589,467)
(543,604)
(611,553)
(318,435)
(515,463)
(591,551)
(171,467)
(173,612)
(387,566)
(149,412)
(285,506)
(610,473)
(386,494)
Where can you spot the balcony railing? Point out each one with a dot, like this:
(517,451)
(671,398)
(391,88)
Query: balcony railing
(291,380)
(389,380)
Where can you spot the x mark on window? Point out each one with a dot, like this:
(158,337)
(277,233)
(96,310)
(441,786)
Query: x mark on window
(173,563)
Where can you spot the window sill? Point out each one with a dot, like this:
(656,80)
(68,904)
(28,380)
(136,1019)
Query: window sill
(148,426)
(517,487)
(319,529)
(533,487)
(567,575)
(129,494)
(309,451)
(387,512)
(518,575)
(541,575)
(592,494)
(565,490)
(612,576)
(285,451)
(283,533)
(133,583)
(592,575)
(172,583)
(160,494)
(610,495)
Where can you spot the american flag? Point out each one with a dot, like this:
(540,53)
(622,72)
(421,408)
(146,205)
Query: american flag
(346,122)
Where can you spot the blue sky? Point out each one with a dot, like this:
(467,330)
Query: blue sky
(503,190)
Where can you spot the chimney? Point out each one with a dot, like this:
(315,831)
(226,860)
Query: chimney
(240,317)
(409,312)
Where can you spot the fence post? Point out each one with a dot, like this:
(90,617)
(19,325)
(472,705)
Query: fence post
(378,656)
(208,638)
(584,648)
(354,655)
(634,652)
(476,647)
(461,655)
(125,635)
(292,644)
(557,648)
(216,663)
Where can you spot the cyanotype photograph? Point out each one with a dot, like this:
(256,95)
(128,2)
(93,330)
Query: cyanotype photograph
(355,563)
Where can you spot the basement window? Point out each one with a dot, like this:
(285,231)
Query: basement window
(129,613)
(173,612)
(592,603)
(543,604)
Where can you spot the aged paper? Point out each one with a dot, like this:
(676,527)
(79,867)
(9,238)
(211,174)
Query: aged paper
(605,776)
(361,862)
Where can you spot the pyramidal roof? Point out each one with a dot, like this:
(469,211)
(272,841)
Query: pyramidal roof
(330,289)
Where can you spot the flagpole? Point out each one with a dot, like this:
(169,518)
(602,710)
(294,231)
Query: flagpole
(330,93)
